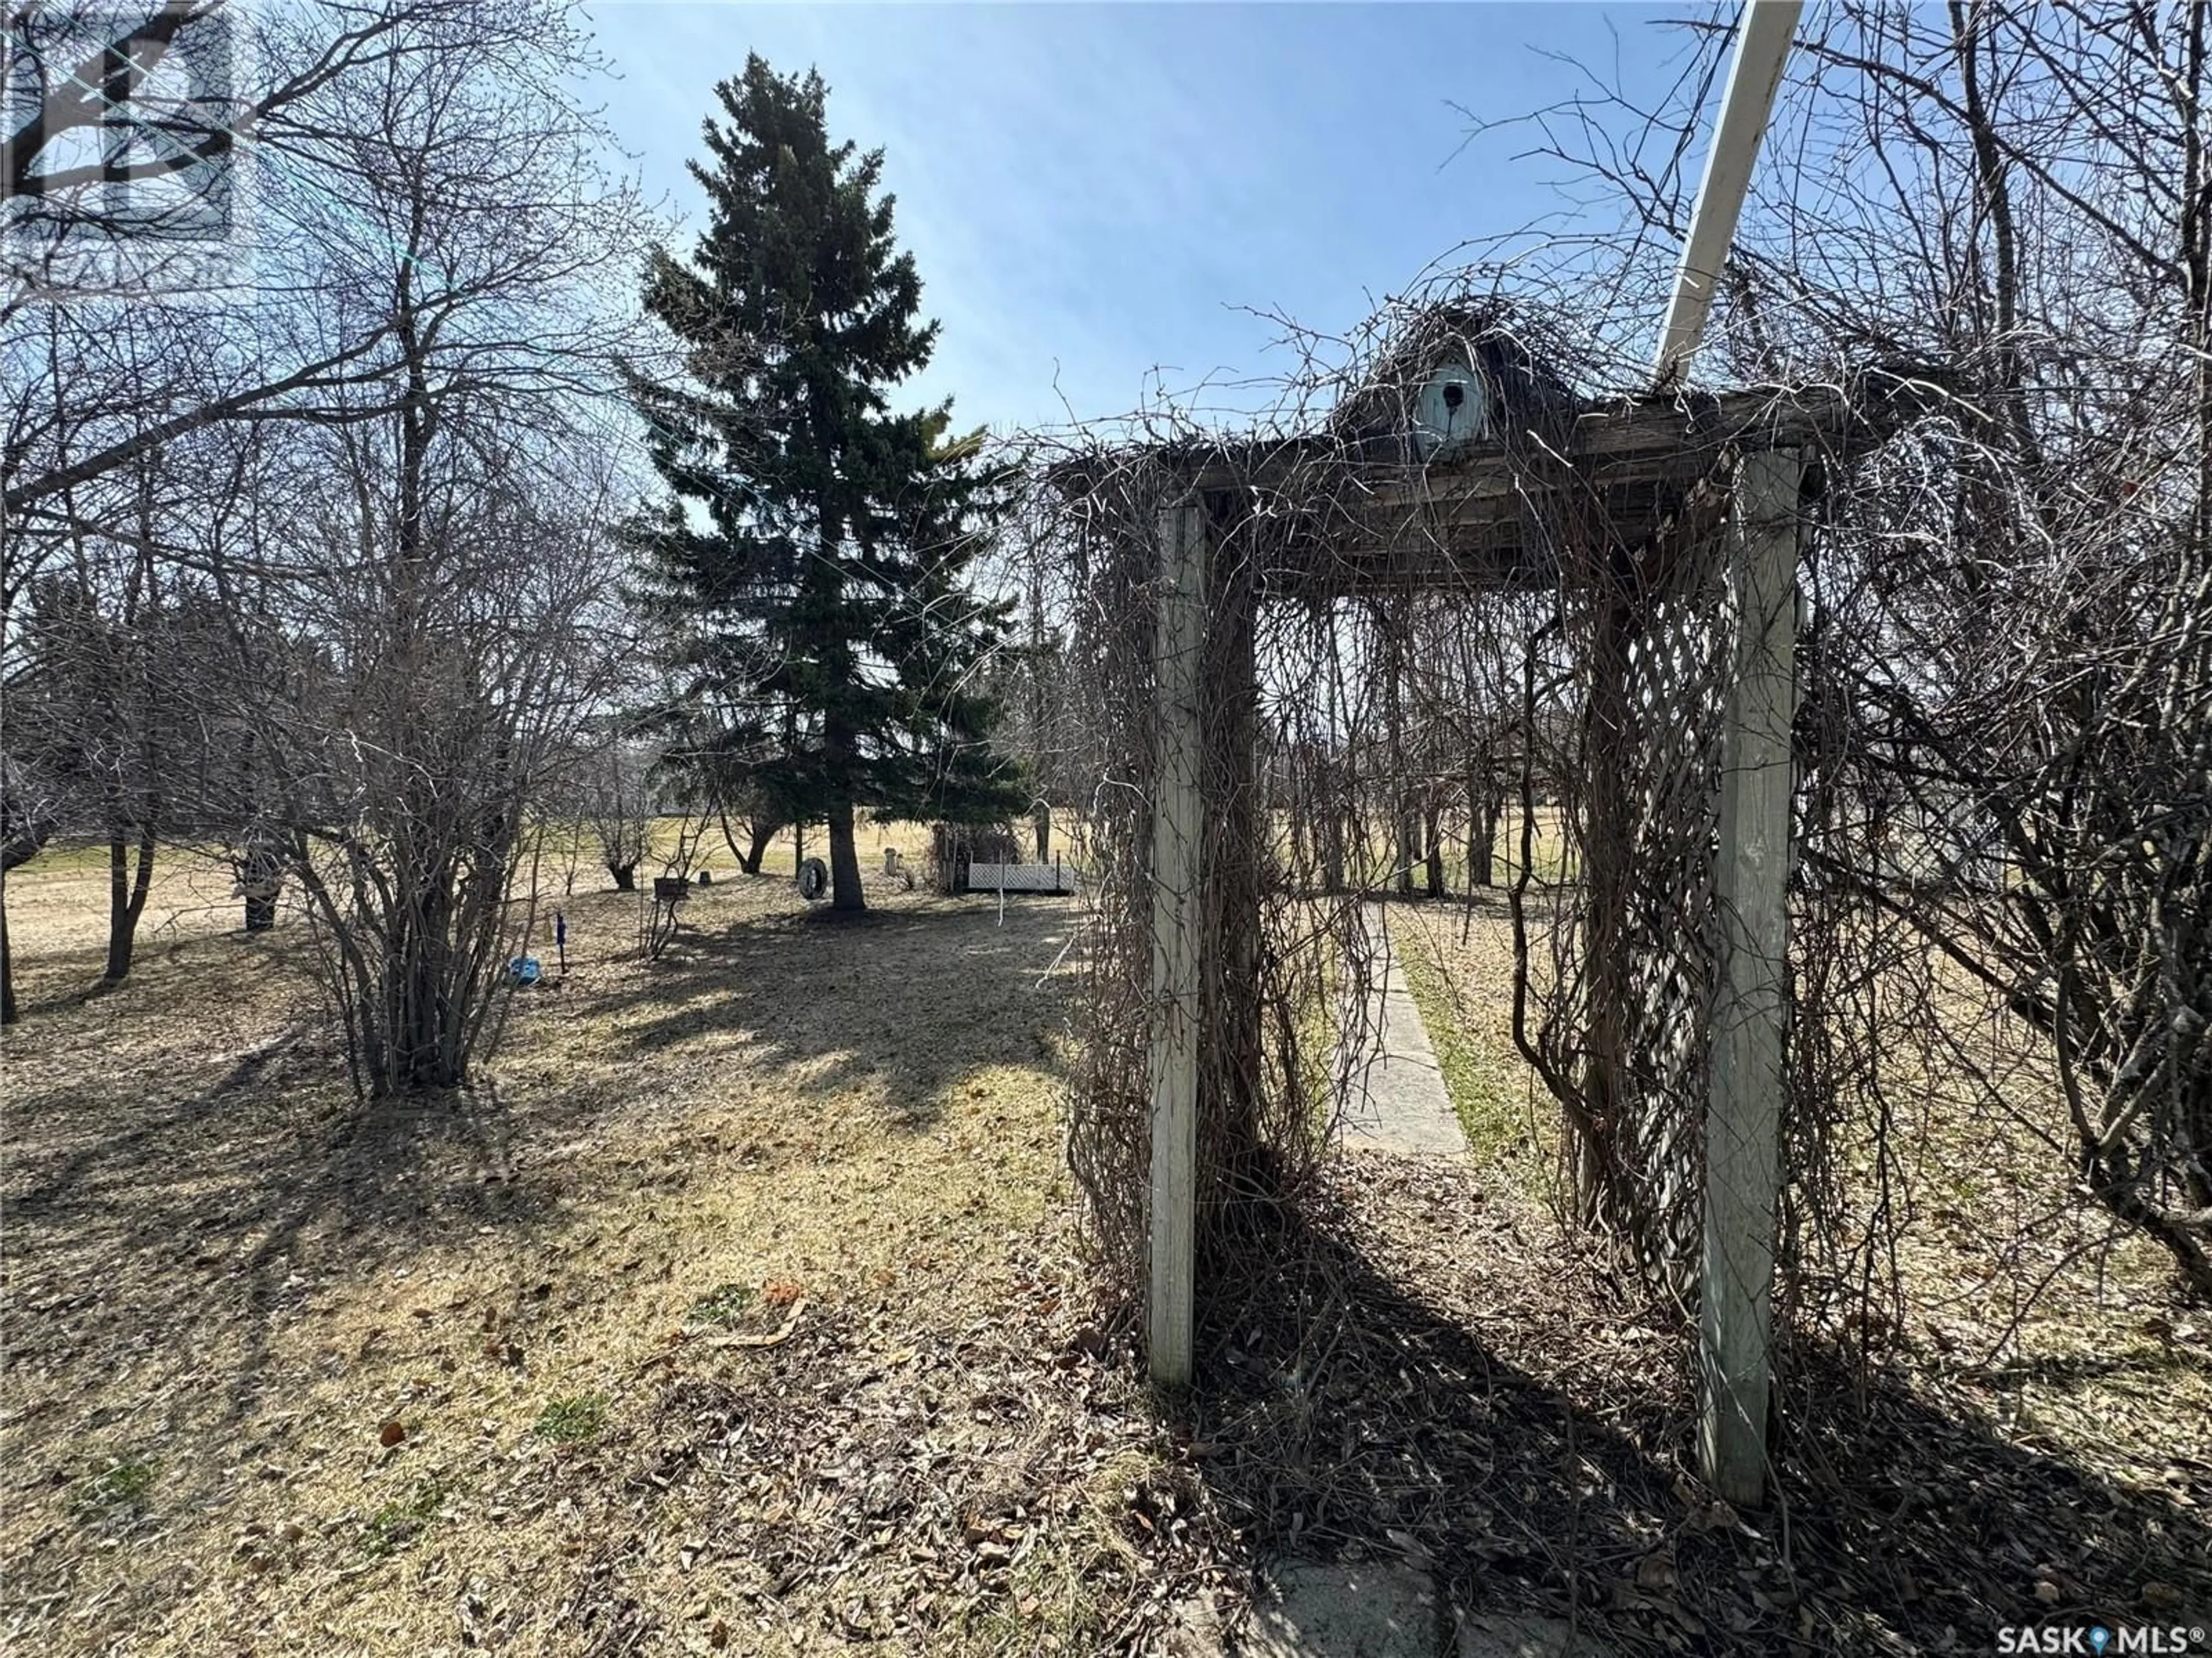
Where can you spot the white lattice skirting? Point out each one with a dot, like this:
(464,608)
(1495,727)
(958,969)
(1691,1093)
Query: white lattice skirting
(1020,878)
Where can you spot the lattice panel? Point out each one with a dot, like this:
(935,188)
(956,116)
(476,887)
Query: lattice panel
(1627,1011)
(1677,672)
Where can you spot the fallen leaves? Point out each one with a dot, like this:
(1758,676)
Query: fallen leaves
(775,1338)
(935,1464)
(1655,1573)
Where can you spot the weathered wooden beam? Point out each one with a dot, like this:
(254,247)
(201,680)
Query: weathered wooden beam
(1632,435)
(1743,1116)
(1177,826)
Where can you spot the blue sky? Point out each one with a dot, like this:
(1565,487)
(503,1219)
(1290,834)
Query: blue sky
(1096,192)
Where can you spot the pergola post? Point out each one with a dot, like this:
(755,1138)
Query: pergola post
(1177,824)
(1743,1112)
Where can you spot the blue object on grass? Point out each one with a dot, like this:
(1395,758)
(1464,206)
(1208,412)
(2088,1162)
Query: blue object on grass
(524,970)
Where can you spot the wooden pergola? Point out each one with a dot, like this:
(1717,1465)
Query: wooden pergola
(1649,478)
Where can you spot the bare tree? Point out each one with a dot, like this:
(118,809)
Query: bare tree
(105,657)
(30,813)
(757,812)
(101,372)
(416,652)
(707,767)
(2012,606)
(87,702)
(617,801)
(428,218)
(413,713)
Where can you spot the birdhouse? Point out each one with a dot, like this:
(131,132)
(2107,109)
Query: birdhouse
(1451,408)
(1455,379)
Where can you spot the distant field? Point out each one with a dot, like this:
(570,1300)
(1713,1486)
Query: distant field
(58,902)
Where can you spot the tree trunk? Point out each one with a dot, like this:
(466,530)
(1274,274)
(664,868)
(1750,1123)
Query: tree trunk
(1043,820)
(845,892)
(1431,828)
(839,754)
(423,1059)
(261,877)
(126,899)
(25,845)
(8,1013)
(1485,807)
(625,876)
(759,831)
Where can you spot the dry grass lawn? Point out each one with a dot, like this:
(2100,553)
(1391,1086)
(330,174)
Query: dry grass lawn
(737,1311)
(287,1376)
(2025,1306)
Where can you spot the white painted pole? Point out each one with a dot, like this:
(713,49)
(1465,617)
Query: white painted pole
(1171,1290)
(1743,1112)
(1762,48)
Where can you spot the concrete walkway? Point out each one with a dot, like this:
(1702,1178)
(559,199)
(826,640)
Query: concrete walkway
(1399,1102)
(1381,1609)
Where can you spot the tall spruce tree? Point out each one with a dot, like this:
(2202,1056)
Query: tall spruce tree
(812,556)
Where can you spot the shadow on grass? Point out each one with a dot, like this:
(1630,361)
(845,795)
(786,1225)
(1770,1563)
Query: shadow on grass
(1531,1443)
(910,998)
(158,1224)
(179,1199)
